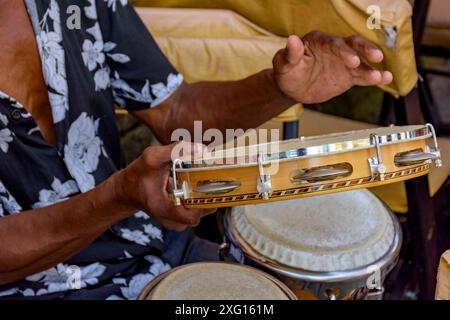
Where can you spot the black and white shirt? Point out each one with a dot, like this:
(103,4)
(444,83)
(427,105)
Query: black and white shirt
(111,60)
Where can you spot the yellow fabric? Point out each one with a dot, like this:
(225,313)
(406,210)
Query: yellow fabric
(339,17)
(214,45)
(394,195)
(438,176)
(443,278)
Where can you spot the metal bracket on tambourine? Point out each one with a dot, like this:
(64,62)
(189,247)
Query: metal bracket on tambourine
(418,156)
(434,151)
(264,183)
(377,167)
(181,193)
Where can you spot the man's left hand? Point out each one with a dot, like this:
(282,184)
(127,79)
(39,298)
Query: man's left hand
(320,66)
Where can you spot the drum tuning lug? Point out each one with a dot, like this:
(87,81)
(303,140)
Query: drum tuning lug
(332,294)
(224,250)
(181,193)
(377,167)
(435,151)
(264,185)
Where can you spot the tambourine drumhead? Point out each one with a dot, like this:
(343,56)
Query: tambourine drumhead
(328,233)
(311,146)
(218,281)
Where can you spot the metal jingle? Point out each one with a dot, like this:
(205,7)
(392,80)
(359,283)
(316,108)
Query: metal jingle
(414,157)
(217,186)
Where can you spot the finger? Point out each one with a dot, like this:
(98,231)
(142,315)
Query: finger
(193,151)
(189,217)
(285,59)
(365,75)
(348,56)
(170,225)
(366,49)
(170,185)
(158,156)
(387,77)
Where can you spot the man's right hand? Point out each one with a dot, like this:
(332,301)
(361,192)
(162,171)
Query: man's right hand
(146,185)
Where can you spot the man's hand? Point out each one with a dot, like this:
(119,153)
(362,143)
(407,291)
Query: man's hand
(321,67)
(146,185)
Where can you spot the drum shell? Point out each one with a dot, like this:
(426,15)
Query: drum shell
(285,189)
(314,285)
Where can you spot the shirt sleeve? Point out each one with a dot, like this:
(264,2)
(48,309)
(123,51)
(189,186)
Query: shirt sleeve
(8,205)
(141,76)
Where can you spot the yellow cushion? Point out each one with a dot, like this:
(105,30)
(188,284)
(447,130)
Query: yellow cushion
(214,45)
(393,194)
(340,17)
(443,278)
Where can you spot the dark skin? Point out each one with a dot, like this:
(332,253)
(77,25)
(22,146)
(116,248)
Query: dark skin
(313,69)
(24,82)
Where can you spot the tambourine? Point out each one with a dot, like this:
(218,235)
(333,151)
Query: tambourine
(305,167)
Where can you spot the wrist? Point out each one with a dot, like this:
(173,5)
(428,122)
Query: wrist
(113,193)
(278,93)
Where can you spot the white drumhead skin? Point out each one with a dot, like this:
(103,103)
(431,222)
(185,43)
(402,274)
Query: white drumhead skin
(335,232)
(217,281)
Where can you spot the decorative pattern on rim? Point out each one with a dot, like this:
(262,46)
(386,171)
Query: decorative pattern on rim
(307,189)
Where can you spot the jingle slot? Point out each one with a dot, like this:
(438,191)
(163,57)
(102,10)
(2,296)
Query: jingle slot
(324,173)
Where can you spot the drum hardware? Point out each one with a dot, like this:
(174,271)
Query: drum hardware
(179,193)
(435,151)
(332,294)
(377,168)
(331,172)
(376,294)
(217,186)
(224,250)
(264,181)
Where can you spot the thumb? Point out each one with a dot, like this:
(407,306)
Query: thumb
(294,50)
(187,150)
(290,56)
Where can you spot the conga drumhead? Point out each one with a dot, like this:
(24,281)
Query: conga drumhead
(335,232)
(218,281)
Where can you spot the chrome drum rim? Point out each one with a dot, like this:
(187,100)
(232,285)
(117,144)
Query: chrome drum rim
(346,144)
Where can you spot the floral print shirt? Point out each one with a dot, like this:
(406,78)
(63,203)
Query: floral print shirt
(111,60)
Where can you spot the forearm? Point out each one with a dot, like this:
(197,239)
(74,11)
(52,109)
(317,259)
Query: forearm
(242,104)
(35,240)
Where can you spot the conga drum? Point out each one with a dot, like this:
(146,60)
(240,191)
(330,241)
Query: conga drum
(216,281)
(335,246)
